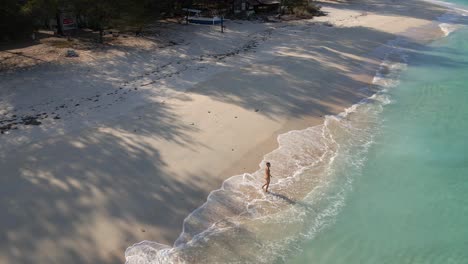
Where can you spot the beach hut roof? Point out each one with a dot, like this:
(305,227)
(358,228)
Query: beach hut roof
(269,2)
(263,2)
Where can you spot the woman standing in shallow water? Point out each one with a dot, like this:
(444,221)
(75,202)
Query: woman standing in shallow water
(267,177)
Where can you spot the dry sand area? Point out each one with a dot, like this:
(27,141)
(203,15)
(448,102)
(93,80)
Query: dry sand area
(108,152)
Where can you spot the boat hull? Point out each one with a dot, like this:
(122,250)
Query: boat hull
(204,21)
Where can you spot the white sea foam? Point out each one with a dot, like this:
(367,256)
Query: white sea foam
(460,9)
(447,28)
(313,170)
(448,22)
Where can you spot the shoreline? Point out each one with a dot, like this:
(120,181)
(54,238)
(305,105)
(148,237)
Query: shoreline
(271,145)
(201,154)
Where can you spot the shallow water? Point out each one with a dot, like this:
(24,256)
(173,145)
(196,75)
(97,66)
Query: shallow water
(313,170)
(410,202)
(460,2)
(383,182)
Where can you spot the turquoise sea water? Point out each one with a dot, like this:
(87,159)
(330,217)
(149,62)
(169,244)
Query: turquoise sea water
(459,2)
(386,181)
(409,203)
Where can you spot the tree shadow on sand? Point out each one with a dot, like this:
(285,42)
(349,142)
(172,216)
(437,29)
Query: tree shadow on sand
(413,9)
(296,83)
(106,189)
(80,192)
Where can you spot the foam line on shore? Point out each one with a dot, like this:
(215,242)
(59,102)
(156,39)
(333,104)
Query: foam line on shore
(317,161)
(459,9)
(313,169)
(318,165)
(448,22)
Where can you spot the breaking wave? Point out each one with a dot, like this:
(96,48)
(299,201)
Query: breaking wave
(312,170)
(448,23)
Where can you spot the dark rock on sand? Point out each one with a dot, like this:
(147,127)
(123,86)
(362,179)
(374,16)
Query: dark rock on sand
(30,121)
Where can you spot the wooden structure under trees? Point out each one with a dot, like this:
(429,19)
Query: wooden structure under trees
(255,6)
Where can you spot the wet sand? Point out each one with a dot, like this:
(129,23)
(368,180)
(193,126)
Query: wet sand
(83,188)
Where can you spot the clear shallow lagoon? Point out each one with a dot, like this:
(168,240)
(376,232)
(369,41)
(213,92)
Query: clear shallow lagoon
(384,182)
(459,2)
(410,202)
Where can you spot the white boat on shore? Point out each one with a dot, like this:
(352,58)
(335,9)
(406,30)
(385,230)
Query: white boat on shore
(193,16)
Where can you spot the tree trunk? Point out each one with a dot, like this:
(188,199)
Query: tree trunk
(282,8)
(101,35)
(222,24)
(59,24)
(101,28)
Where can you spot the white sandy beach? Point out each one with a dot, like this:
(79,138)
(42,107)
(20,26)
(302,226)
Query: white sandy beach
(143,136)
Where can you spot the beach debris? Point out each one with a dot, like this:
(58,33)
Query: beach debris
(143,230)
(235,117)
(146,84)
(4,129)
(192,124)
(256,110)
(30,120)
(71,54)
(209,112)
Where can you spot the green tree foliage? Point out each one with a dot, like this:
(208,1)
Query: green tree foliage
(99,14)
(21,17)
(41,9)
(305,8)
(138,13)
(14,22)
